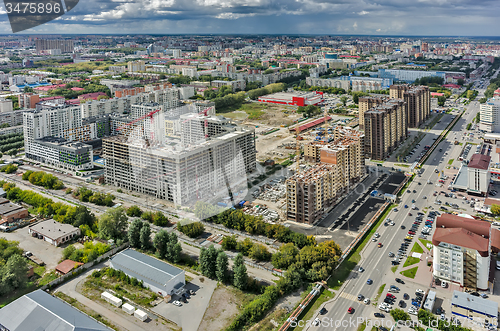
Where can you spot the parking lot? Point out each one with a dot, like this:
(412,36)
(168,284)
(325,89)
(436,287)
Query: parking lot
(40,248)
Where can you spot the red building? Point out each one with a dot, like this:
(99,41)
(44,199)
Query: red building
(293,98)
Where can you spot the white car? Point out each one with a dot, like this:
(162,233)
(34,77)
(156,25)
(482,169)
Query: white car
(384,309)
(367,301)
(177,303)
(419,291)
(376,235)
(412,312)
(316,322)
(385,305)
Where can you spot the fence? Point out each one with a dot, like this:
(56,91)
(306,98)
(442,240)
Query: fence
(84,267)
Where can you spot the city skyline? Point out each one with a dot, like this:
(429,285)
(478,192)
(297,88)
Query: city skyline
(336,17)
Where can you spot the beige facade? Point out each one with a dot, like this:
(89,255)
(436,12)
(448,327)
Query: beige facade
(365,104)
(417,100)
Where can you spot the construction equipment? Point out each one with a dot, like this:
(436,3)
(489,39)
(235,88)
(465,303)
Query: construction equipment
(150,115)
(297,148)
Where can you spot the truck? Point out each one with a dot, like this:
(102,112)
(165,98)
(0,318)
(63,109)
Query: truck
(36,260)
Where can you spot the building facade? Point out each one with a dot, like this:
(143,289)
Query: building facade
(61,153)
(489,118)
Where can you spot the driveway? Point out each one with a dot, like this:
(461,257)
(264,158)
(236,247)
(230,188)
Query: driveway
(41,249)
(190,314)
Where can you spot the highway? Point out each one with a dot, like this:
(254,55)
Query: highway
(376,261)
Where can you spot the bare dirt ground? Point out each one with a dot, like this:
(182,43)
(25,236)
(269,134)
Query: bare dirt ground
(223,307)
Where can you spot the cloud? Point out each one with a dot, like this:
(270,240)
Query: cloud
(421,17)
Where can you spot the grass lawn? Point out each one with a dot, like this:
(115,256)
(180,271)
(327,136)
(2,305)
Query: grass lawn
(309,311)
(379,293)
(253,109)
(402,165)
(417,248)
(393,269)
(362,327)
(345,268)
(450,161)
(410,273)
(411,260)
(425,242)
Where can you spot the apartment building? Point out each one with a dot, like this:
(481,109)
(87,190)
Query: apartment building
(310,195)
(478,174)
(385,128)
(12,118)
(366,103)
(28,100)
(59,152)
(235,84)
(321,82)
(136,66)
(462,250)
(417,100)
(6,106)
(66,46)
(207,170)
(489,118)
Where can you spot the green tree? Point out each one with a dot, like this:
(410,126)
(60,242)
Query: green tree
(174,249)
(229,243)
(159,219)
(286,256)
(113,223)
(13,274)
(222,267)
(343,99)
(208,261)
(259,252)
(134,233)
(160,243)
(191,230)
(134,211)
(145,236)
(399,315)
(495,209)
(240,273)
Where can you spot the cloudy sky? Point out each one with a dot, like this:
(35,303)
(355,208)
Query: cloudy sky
(377,17)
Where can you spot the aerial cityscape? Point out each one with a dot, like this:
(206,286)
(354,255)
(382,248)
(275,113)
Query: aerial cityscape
(239,165)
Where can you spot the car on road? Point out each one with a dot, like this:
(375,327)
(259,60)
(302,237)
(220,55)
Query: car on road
(360,297)
(316,322)
(379,315)
(323,311)
(177,303)
(409,214)
(400,281)
(350,310)
(391,254)
(403,227)
(369,282)
(366,301)
(484,295)
(361,269)
(379,245)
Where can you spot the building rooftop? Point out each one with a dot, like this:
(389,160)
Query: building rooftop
(480,161)
(39,311)
(9,207)
(144,267)
(53,229)
(471,302)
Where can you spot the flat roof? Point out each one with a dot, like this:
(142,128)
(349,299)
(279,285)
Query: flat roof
(9,207)
(145,267)
(478,304)
(53,229)
(39,310)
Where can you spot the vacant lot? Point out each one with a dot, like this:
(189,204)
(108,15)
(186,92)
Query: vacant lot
(255,113)
(223,307)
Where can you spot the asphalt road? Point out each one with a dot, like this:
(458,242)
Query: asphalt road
(375,260)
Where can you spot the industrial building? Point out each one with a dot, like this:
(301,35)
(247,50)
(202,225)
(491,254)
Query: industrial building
(39,310)
(294,98)
(158,276)
(208,158)
(461,252)
(59,152)
(482,311)
(54,232)
(385,128)
(10,212)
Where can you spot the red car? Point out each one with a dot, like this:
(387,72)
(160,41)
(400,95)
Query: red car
(409,214)
(379,245)
(350,310)
(411,232)
(391,296)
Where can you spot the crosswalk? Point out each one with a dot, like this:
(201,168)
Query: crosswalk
(348,296)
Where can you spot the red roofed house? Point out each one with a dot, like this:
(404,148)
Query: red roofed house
(461,252)
(66,266)
(437,94)
(496,93)
(478,174)
(92,96)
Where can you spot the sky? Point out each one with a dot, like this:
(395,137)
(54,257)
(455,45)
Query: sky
(335,17)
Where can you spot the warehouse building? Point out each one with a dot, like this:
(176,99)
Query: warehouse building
(294,98)
(158,276)
(10,212)
(54,232)
(482,311)
(39,310)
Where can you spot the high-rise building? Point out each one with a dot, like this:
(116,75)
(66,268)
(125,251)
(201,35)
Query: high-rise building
(489,118)
(417,100)
(136,66)
(385,128)
(66,46)
(6,106)
(61,153)
(366,103)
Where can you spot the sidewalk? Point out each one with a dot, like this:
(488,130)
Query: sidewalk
(424,272)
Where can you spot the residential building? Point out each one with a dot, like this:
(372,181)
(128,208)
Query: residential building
(136,66)
(366,103)
(417,101)
(118,69)
(478,174)
(489,118)
(461,252)
(28,100)
(6,106)
(158,276)
(190,72)
(40,310)
(61,153)
(385,128)
(321,82)
(176,53)
(53,232)
(12,118)
(236,85)
(66,46)
(18,129)
(294,98)
(481,311)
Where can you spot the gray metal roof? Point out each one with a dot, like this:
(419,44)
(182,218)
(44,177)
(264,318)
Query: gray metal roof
(478,304)
(144,267)
(41,311)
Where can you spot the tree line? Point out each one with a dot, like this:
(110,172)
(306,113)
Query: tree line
(88,253)
(157,218)
(41,178)
(11,138)
(8,147)
(13,267)
(101,199)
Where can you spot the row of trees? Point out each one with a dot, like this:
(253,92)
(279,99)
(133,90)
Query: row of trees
(192,230)
(211,94)
(41,178)
(309,111)
(157,218)
(8,147)
(13,267)
(429,81)
(101,199)
(490,90)
(88,253)
(8,169)
(230,100)
(268,89)
(11,138)
(68,93)
(214,264)
(247,247)
(236,219)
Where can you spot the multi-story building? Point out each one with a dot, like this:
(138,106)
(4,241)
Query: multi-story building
(417,102)
(28,100)
(235,84)
(366,103)
(489,118)
(461,252)
(478,174)
(66,46)
(136,66)
(385,128)
(5,105)
(208,170)
(61,153)
(12,118)
(321,82)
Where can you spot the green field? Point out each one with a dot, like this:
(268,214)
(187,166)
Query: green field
(417,248)
(410,273)
(411,260)
(450,161)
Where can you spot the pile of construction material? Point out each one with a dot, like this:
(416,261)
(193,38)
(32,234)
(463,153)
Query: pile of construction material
(273,191)
(111,299)
(267,214)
